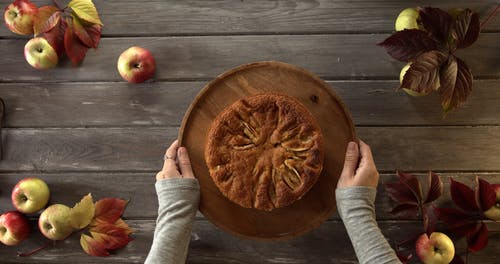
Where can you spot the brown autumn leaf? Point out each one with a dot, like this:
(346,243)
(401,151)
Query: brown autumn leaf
(408,44)
(437,22)
(456,83)
(466,28)
(423,75)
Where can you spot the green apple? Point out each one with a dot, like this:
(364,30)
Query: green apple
(54,222)
(30,195)
(493,213)
(435,249)
(14,228)
(407,19)
(136,65)
(19,17)
(40,54)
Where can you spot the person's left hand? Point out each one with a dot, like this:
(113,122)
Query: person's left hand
(177,163)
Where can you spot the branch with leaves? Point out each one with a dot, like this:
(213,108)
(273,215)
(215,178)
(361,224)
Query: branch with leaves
(69,30)
(99,224)
(466,222)
(430,50)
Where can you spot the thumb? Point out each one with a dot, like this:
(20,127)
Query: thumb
(351,160)
(185,163)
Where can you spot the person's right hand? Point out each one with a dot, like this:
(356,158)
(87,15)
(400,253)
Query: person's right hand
(359,167)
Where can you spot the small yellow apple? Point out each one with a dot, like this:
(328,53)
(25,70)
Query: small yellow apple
(407,19)
(493,213)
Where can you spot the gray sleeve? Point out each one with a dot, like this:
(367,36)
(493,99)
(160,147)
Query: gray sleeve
(178,200)
(356,208)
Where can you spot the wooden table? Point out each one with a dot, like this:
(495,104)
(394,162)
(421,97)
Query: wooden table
(85,130)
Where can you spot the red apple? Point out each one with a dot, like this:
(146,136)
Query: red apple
(40,54)
(14,228)
(19,16)
(30,195)
(54,222)
(493,213)
(436,249)
(136,65)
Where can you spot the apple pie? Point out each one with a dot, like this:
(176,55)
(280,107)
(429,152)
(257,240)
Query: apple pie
(264,151)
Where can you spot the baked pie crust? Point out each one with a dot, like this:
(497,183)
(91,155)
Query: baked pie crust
(264,151)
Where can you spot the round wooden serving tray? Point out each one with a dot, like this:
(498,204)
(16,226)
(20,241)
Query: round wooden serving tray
(336,125)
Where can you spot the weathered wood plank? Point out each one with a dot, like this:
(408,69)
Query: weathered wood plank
(164,103)
(250,17)
(69,188)
(204,57)
(327,244)
(141,149)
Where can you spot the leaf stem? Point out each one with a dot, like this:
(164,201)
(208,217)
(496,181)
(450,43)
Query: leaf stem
(29,253)
(490,16)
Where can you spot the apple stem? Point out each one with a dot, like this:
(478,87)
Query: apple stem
(29,253)
(491,15)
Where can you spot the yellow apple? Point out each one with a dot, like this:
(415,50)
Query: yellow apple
(435,249)
(407,19)
(54,222)
(494,212)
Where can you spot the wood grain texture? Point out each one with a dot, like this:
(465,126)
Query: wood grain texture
(122,17)
(204,57)
(115,104)
(327,244)
(69,188)
(141,149)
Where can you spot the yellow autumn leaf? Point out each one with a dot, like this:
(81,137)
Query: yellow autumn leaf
(85,10)
(83,212)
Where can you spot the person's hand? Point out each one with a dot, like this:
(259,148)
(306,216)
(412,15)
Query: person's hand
(177,163)
(359,167)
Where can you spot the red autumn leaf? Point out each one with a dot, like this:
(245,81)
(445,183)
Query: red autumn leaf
(466,28)
(435,187)
(405,210)
(89,34)
(401,193)
(466,229)
(463,196)
(485,194)
(408,44)
(92,246)
(423,74)
(457,260)
(452,217)
(120,223)
(55,37)
(479,239)
(110,236)
(46,19)
(109,209)
(437,22)
(412,183)
(456,83)
(75,49)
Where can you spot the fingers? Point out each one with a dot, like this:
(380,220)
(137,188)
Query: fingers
(185,163)
(170,157)
(366,152)
(351,160)
(169,169)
